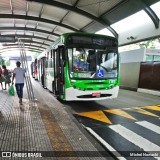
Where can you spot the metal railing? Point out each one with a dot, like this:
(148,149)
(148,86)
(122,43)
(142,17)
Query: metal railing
(27,75)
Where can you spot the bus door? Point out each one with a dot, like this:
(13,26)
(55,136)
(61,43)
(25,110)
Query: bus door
(59,71)
(43,79)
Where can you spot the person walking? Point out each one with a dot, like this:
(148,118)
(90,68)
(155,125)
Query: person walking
(1,78)
(19,75)
(6,76)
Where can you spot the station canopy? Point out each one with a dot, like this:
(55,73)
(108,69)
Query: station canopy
(38,23)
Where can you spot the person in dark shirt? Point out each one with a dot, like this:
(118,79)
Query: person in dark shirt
(6,76)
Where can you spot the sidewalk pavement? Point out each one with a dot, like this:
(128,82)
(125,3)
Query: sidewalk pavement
(42,128)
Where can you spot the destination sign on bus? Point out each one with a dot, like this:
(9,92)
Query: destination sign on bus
(98,41)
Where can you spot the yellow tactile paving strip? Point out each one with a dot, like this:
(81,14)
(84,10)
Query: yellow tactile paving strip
(100,116)
(57,138)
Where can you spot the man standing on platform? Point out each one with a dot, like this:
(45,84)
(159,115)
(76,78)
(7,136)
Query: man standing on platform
(18,75)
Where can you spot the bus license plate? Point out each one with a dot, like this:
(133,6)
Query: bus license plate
(96,94)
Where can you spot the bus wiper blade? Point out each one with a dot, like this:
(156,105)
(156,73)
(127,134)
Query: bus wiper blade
(106,69)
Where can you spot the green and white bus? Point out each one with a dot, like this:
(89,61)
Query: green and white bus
(81,66)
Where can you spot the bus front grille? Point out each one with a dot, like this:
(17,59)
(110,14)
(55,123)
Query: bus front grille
(90,96)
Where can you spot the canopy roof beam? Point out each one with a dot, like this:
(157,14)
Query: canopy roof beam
(17,48)
(10,45)
(150,13)
(28,41)
(43,20)
(29,29)
(30,37)
(79,11)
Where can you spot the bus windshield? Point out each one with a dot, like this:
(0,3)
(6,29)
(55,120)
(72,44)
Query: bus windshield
(92,63)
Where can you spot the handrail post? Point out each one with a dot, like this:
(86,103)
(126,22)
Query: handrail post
(25,66)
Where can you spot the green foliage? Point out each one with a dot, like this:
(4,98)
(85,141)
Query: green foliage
(152,43)
(2,61)
(35,54)
(147,44)
(7,62)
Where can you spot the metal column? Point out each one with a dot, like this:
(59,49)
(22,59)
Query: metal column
(27,75)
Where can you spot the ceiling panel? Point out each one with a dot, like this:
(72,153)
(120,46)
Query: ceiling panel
(97,7)
(52,37)
(45,26)
(20,22)
(40,34)
(31,24)
(93,27)
(5,7)
(48,43)
(6,32)
(38,40)
(19,6)
(5,23)
(76,20)
(70,2)
(44,46)
(53,13)
(61,30)
(34,9)
(29,33)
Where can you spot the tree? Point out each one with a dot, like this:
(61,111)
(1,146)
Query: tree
(152,43)
(35,54)
(147,44)
(7,62)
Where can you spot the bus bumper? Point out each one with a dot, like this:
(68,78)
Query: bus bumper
(75,94)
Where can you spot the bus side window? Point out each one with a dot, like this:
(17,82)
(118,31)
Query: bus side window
(50,63)
(70,59)
(55,62)
(46,64)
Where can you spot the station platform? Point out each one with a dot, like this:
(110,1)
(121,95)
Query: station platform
(43,129)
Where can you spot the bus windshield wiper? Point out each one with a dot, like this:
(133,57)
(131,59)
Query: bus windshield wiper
(106,69)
